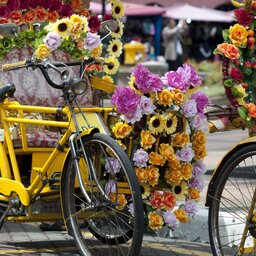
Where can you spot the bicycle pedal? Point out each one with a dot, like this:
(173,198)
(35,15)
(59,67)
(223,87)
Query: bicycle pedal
(54,182)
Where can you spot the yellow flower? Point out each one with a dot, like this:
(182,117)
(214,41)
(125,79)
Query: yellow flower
(115,48)
(157,124)
(180,191)
(112,67)
(121,130)
(164,97)
(42,52)
(167,151)
(200,152)
(174,164)
(96,52)
(173,177)
(239,93)
(199,138)
(117,9)
(119,199)
(177,97)
(238,35)
(120,143)
(147,139)
(145,190)
(180,139)
(194,194)
(186,170)
(108,79)
(153,175)
(171,123)
(155,221)
(156,159)
(142,175)
(62,27)
(181,215)
(119,31)
(78,24)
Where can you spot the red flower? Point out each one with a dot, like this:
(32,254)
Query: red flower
(107,17)
(3,20)
(243,17)
(16,17)
(41,14)
(94,24)
(13,5)
(156,200)
(3,11)
(236,74)
(66,10)
(55,5)
(169,200)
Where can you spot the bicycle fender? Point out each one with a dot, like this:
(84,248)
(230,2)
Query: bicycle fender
(5,171)
(217,171)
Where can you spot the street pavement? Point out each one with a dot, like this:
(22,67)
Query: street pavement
(189,239)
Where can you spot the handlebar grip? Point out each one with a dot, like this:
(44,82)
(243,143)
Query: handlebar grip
(14,65)
(99,59)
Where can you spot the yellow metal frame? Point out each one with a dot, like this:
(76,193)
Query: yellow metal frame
(10,179)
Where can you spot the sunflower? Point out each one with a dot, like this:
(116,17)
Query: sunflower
(157,124)
(63,27)
(117,9)
(108,79)
(131,83)
(171,123)
(145,190)
(180,191)
(112,67)
(115,48)
(119,31)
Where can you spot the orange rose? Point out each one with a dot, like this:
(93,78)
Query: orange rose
(194,194)
(169,200)
(76,4)
(200,153)
(180,139)
(121,130)
(53,16)
(93,67)
(174,164)
(228,50)
(167,151)
(177,97)
(16,17)
(155,221)
(3,20)
(120,199)
(251,109)
(85,13)
(147,139)
(186,170)
(156,159)
(30,16)
(199,138)
(142,175)
(41,14)
(157,200)
(153,175)
(173,177)
(165,97)
(238,35)
(181,215)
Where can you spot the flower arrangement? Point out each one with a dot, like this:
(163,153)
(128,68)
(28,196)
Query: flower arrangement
(77,33)
(239,67)
(161,125)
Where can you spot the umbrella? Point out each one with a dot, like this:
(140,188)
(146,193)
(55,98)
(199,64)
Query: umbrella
(187,11)
(130,9)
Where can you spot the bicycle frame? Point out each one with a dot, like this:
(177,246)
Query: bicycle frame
(46,161)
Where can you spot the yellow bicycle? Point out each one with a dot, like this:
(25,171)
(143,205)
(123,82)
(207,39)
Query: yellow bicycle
(86,179)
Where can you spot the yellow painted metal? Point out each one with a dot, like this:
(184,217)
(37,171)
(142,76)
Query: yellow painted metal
(4,198)
(12,186)
(37,217)
(5,171)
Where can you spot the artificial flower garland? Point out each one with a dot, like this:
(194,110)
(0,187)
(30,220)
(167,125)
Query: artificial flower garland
(239,66)
(161,126)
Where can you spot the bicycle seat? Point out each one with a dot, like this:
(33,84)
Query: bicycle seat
(6,90)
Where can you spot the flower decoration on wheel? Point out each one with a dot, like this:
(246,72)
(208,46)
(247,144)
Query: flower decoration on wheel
(162,127)
(239,66)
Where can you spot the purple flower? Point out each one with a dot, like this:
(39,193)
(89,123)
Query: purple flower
(140,158)
(13,5)
(191,206)
(52,40)
(125,100)
(110,187)
(132,117)
(197,183)
(24,4)
(146,105)
(112,165)
(201,99)
(3,11)
(185,154)
(66,10)
(170,219)
(189,108)
(46,3)
(193,79)
(91,41)
(131,209)
(199,168)
(175,80)
(56,5)
(199,122)
(155,83)
(33,3)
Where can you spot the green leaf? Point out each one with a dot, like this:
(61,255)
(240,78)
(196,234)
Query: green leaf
(243,112)
(216,51)
(225,34)
(228,82)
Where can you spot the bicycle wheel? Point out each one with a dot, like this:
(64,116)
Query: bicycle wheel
(232,213)
(111,221)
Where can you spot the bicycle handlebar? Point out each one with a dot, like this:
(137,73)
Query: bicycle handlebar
(14,65)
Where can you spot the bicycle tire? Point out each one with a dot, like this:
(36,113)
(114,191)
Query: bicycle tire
(108,231)
(230,202)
